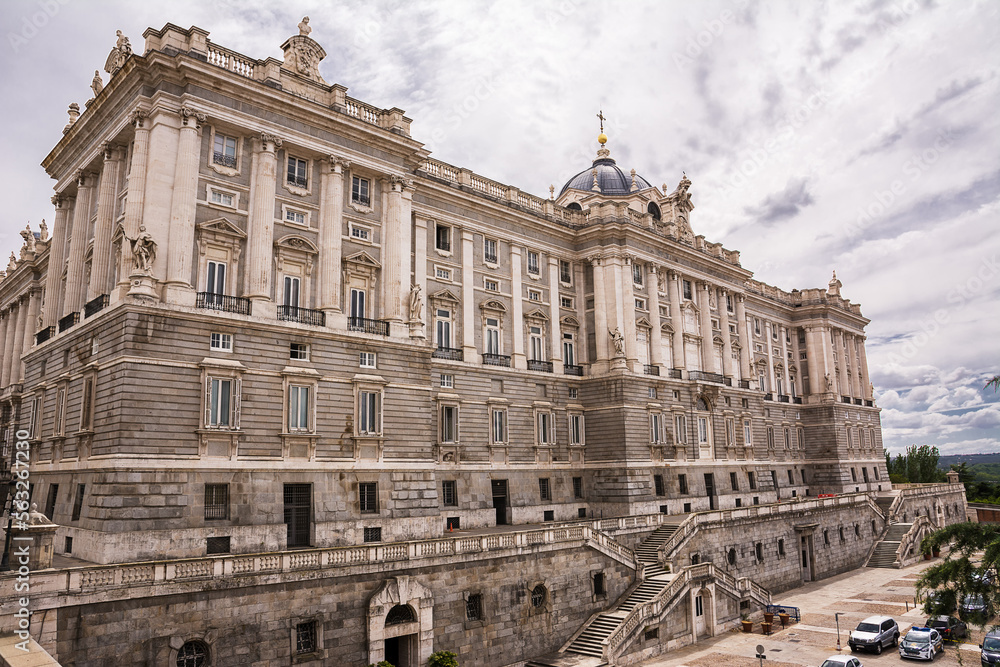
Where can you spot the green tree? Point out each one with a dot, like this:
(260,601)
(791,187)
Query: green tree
(964,474)
(918,466)
(443,659)
(960,574)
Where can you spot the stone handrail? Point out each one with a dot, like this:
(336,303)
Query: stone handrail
(231,60)
(691,525)
(894,508)
(362,111)
(158,572)
(921,525)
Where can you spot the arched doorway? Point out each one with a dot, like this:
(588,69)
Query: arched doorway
(398,613)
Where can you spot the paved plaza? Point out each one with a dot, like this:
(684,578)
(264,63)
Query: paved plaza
(855,595)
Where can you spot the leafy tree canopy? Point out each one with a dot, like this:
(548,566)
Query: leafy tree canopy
(960,573)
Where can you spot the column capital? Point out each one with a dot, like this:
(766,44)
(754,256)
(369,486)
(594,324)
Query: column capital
(673,275)
(268,143)
(398,183)
(83,179)
(338,164)
(553,261)
(191,118)
(112,152)
(595,259)
(138,118)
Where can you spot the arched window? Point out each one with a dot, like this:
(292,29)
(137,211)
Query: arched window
(573,206)
(653,210)
(731,557)
(401,613)
(538,594)
(702,404)
(192,654)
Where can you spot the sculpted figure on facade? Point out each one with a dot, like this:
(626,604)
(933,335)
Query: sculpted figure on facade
(97,85)
(29,240)
(143,251)
(619,341)
(12,264)
(304,28)
(43,231)
(119,54)
(36,518)
(416,304)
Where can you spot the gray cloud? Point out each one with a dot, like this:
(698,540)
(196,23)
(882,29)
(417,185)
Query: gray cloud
(782,205)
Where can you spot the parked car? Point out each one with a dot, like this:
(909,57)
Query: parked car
(874,633)
(921,643)
(941,601)
(841,661)
(949,626)
(990,655)
(974,605)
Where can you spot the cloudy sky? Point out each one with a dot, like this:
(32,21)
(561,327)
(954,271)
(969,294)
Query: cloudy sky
(856,136)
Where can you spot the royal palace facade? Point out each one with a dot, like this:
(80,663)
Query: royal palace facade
(266,321)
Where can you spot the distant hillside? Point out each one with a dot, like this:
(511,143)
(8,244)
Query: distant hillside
(945,461)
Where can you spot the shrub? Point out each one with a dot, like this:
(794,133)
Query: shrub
(442,659)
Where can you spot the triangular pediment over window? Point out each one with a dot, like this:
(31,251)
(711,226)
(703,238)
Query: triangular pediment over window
(222,226)
(445,296)
(363,259)
(493,304)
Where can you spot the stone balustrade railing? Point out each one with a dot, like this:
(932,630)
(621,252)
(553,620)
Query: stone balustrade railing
(922,525)
(231,60)
(78,579)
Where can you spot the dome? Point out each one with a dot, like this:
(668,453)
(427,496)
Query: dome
(610,178)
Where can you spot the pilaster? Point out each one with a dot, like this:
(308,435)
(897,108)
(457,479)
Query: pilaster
(260,237)
(624,275)
(57,259)
(34,303)
(469,351)
(18,346)
(768,349)
(555,349)
(518,359)
(135,201)
(331,231)
(707,339)
(164,145)
(600,312)
(676,319)
(656,335)
(787,374)
(866,385)
(727,339)
(10,327)
(100,263)
(179,288)
(420,266)
(78,244)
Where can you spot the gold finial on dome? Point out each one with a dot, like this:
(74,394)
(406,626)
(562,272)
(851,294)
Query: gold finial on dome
(602,138)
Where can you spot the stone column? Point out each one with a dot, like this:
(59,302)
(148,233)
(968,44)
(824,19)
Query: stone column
(179,288)
(866,385)
(396,250)
(164,144)
(797,362)
(677,320)
(34,302)
(79,237)
(827,347)
(656,335)
(107,199)
(57,258)
(18,346)
(623,272)
(518,359)
(555,353)
(420,272)
(10,327)
(768,348)
(746,351)
(260,236)
(468,295)
(727,341)
(5,318)
(600,311)
(814,354)
(853,345)
(136,198)
(707,342)
(783,333)
(582,348)
(838,362)
(331,232)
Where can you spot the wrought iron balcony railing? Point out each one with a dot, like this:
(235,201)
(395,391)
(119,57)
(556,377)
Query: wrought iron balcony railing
(869,404)
(224,160)
(366,325)
(536,365)
(571,369)
(845,399)
(782,398)
(228,304)
(302,315)
(706,377)
(650,369)
(797,400)
(449,353)
(44,335)
(69,321)
(496,360)
(768,396)
(675,373)
(744,384)
(299,181)
(96,305)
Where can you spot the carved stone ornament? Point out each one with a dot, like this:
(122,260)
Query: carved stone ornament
(97,85)
(12,264)
(29,239)
(188,114)
(619,342)
(270,138)
(416,304)
(36,518)
(303,54)
(119,54)
(138,117)
(337,161)
(43,230)
(143,251)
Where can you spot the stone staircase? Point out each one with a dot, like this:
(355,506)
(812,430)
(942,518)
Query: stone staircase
(655,579)
(884,503)
(885,551)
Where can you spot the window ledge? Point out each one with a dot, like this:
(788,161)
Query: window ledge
(296,190)
(221,169)
(361,208)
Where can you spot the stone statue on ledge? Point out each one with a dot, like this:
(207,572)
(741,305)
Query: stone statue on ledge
(36,518)
(416,304)
(143,251)
(119,54)
(619,341)
(304,28)
(97,85)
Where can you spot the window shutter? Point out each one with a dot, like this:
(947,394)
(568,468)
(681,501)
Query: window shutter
(208,401)
(237,396)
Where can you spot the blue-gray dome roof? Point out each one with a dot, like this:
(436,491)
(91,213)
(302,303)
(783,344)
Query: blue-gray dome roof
(610,178)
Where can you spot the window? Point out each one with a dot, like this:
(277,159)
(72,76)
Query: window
(788,438)
(87,404)
(296,217)
(474,607)
(224,151)
(490,251)
(637,274)
(569,350)
(565,302)
(655,428)
(442,238)
(781,547)
(449,494)
(366,359)
(373,534)
(291,291)
(305,637)
(573,392)
(498,426)
(449,423)
(682,484)
(442,328)
(298,408)
(222,397)
(358,299)
(658,485)
(58,422)
(368,497)
(752,480)
(491,285)
(770,437)
(544,490)
(369,412)
(734,482)
(217,545)
(599,588)
(223,198)
(297,172)
(215,282)
(680,428)
(538,596)
(640,304)
(730,431)
(758,550)
(651,392)
(576,429)
(854,475)
(50,503)
(447,381)
(360,191)
(492,335)
(536,345)
(565,272)
(729,305)
(774,334)
(222,342)
(361,233)
(545,428)
(756,326)
(534,295)
(192,654)
(686,285)
(78,502)
(791,478)
(533,262)
(578,487)
(702,430)
(216,501)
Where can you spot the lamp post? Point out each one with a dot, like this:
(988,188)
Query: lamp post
(836,617)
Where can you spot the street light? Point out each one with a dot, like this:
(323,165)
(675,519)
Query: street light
(836,617)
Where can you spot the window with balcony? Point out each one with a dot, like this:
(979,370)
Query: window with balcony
(576,429)
(224,151)
(565,272)
(490,251)
(361,191)
(491,336)
(297,173)
(442,328)
(569,349)
(533,263)
(498,426)
(536,346)
(290,294)
(442,237)
(299,409)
